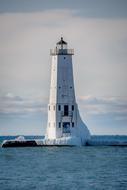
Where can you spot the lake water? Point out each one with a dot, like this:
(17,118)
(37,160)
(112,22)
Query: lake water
(59,168)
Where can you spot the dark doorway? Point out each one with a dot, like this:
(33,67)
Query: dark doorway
(66,127)
(66,110)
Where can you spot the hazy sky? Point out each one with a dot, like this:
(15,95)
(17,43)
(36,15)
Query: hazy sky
(96,29)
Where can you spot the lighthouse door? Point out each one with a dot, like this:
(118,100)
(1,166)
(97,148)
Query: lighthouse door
(66,127)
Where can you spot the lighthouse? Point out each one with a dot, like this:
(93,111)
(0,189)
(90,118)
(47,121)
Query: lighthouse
(64,126)
(64,121)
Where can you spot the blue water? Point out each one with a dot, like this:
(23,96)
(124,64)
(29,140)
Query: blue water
(59,168)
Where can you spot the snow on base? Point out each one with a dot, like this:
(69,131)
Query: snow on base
(76,141)
(73,141)
(18,139)
(64,141)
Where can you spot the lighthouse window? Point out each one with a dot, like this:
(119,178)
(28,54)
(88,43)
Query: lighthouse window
(59,125)
(59,107)
(54,108)
(49,107)
(66,110)
(64,57)
(72,124)
(72,107)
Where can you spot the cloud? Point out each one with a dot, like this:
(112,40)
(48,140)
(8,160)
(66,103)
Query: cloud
(116,106)
(11,105)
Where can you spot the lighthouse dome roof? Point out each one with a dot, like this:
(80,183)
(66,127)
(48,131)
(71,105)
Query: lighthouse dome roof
(61,42)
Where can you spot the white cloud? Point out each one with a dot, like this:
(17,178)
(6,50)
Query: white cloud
(116,106)
(13,105)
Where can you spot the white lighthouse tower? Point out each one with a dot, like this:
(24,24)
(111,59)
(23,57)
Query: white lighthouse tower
(64,122)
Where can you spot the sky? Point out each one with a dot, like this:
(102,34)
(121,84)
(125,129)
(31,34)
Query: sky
(96,29)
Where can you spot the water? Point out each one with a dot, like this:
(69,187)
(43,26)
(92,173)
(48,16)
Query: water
(59,168)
